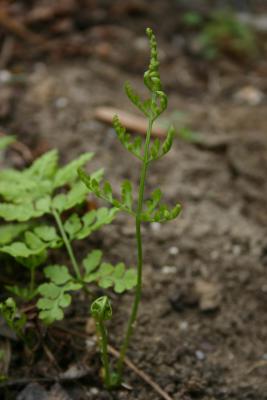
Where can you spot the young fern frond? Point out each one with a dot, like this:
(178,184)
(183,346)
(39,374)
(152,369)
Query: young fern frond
(15,319)
(105,192)
(153,211)
(152,79)
(161,214)
(126,194)
(143,106)
(158,150)
(156,212)
(101,311)
(134,146)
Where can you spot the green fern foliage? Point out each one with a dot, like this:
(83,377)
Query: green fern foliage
(151,210)
(31,193)
(56,295)
(135,145)
(107,275)
(15,319)
(105,192)
(34,202)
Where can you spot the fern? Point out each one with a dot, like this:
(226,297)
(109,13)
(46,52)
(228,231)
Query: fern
(107,275)
(152,210)
(55,295)
(13,317)
(28,200)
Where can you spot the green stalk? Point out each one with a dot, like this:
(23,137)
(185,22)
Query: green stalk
(138,290)
(32,281)
(67,244)
(103,344)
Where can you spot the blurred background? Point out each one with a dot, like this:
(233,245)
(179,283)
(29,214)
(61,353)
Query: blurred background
(209,50)
(62,69)
(59,60)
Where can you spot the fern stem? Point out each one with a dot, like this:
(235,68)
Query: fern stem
(67,244)
(32,281)
(103,344)
(138,289)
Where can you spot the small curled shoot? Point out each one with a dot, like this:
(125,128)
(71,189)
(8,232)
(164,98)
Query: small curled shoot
(152,79)
(151,76)
(101,309)
(15,319)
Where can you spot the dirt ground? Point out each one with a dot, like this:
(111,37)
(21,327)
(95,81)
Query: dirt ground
(202,325)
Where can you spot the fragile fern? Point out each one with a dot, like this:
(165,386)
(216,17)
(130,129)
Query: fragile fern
(101,311)
(15,319)
(135,145)
(27,198)
(105,192)
(150,211)
(55,295)
(107,275)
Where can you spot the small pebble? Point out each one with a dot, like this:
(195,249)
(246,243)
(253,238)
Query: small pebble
(128,230)
(214,255)
(90,327)
(183,326)
(94,391)
(61,102)
(200,355)
(169,269)
(5,76)
(249,95)
(236,250)
(90,343)
(141,44)
(111,132)
(173,251)
(155,226)
(40,67)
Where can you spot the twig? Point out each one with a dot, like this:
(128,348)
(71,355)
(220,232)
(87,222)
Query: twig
(129,364)
(25,381)
(130,121)
(50,356)
(6,51)
(141,374)
(259,364)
